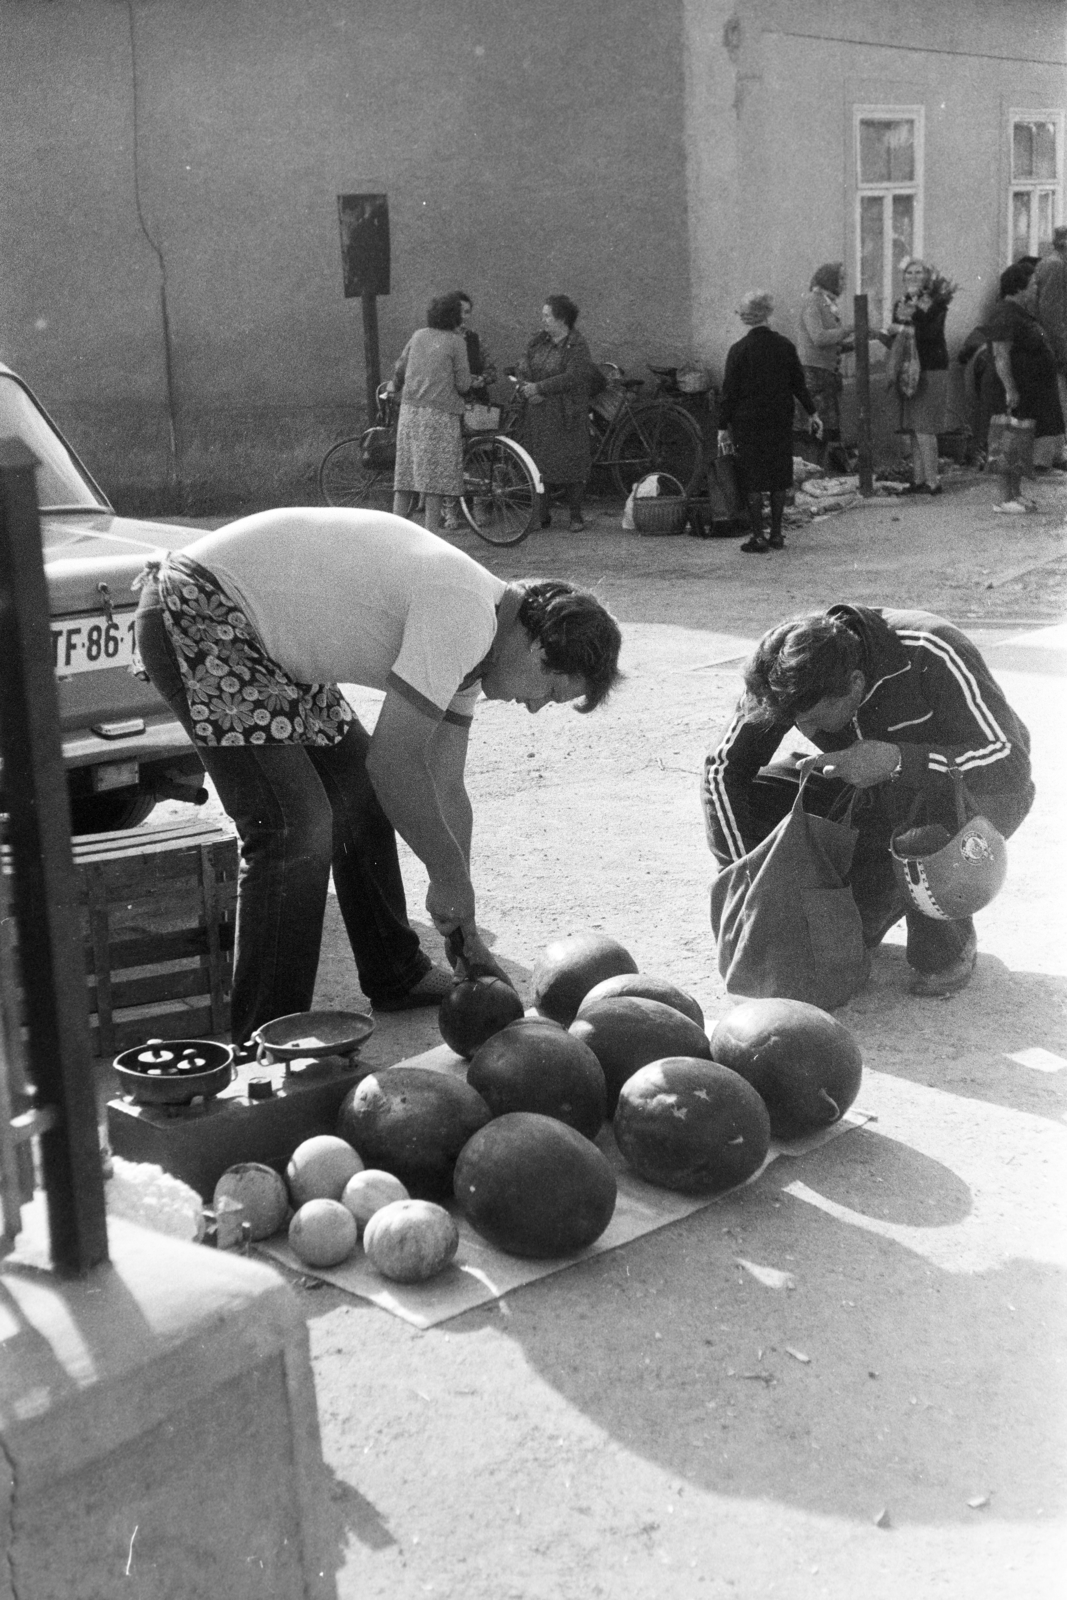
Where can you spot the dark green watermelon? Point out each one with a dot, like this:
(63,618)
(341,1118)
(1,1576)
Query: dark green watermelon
(628,1032)
(570,966)
(535,1187)
(692,1125)
(535,1065)
(412,1122)
(645,987)
(473,1010)
(804,1063)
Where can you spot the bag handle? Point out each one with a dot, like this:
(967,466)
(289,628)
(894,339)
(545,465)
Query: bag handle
(966,805)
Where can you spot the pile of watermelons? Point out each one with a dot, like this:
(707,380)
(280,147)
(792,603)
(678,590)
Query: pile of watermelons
(515,1144)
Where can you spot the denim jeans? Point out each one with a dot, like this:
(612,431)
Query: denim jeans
(932,945)
(299,810)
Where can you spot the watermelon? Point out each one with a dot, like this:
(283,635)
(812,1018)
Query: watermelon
(628,1032)
(645,987)
(804,1063)
(535,1187)
(473,1010)
(690,1124)
(570,966)
(412,1122)
(535,1065)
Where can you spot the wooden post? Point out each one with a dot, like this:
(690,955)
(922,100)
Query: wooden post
(371,358)
(47,917)
(863,394)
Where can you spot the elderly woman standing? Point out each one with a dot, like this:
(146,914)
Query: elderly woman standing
(1025,363)
(763,379)
(923,308)
(820,343)
(432,376)
(558,375)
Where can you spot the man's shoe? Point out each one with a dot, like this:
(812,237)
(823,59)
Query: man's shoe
(957,975)
(429,991)
(755,547)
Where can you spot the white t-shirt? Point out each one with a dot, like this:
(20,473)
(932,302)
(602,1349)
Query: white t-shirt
(339,596)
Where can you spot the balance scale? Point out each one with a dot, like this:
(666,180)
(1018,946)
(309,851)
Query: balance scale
(193,1110)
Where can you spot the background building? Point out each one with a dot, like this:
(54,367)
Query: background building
(170,260)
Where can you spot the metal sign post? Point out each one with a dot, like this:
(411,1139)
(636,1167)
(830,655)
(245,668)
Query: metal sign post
(863,394)
(364,222)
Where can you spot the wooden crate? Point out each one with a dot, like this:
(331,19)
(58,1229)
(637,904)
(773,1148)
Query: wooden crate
(157,922)
(158,907)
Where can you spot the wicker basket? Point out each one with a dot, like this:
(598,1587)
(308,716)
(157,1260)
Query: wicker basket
(661,513)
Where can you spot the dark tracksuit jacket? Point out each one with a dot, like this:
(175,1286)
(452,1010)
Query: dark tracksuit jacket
(928,691)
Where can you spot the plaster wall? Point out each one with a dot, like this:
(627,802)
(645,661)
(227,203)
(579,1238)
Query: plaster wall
(199,148)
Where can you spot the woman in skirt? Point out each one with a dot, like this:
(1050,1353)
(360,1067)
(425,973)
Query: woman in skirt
(923,308)
(432,376)
(763,378)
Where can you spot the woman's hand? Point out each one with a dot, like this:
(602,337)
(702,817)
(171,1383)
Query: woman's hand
(529,391)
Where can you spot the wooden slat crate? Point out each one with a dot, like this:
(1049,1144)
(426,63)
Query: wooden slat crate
(157,908)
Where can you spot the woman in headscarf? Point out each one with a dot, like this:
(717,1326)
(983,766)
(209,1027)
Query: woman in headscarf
(923,308)
(763,379)
(820,343)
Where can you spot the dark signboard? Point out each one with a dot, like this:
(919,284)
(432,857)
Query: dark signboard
(364,220)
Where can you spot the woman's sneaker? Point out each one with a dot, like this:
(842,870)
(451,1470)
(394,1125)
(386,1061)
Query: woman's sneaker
(1012,508)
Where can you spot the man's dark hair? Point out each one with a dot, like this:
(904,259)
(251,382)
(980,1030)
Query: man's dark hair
(578,635)
(446,312)
(797,664)
(563,309)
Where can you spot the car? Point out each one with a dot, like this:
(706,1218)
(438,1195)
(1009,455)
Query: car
(123,748)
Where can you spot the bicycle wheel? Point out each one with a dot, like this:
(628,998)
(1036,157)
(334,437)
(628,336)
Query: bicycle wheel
(345,481)
(656,437)
(499,490)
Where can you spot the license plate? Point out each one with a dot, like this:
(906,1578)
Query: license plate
(90,643)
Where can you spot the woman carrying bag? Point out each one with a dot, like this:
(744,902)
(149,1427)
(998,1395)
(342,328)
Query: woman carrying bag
(918,367)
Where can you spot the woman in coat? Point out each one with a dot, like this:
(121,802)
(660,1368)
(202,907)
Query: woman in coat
(762,380)
(557,376)
(923,308)
(821,340)
(432,377)
(1026,366)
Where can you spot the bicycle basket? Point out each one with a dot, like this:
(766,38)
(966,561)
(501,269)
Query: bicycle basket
(481,419)
(659,510)
(377,449)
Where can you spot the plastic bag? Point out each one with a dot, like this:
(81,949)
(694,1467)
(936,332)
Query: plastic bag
(628,512)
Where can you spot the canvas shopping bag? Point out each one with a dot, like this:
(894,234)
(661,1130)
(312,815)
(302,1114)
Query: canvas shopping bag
(784,920)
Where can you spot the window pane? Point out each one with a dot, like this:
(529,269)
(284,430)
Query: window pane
(1022,150)
(1044,221)
(903,237)
(887,151)
(1020,224)
(872,257)
(1045,151)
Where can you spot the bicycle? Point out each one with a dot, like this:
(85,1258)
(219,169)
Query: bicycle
(501,481)
(633,434)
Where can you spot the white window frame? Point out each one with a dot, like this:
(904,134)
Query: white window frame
(1032,184)
(888,113)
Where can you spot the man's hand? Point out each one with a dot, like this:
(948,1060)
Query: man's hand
(863,764)
(816,427)
(450,905)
